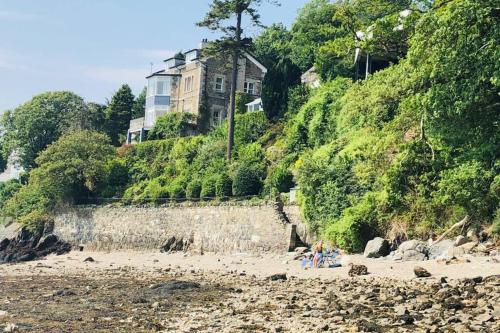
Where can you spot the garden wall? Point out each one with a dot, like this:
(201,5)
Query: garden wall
(221,228)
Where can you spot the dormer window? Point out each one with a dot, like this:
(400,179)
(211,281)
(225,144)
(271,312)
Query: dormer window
(219,84)
(191,56)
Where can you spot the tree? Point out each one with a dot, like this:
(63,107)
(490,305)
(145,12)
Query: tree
(70,168)
(41,121)
(232,42)
(273,48)
(139,104)
(313,27)
(97,116)
(119,113)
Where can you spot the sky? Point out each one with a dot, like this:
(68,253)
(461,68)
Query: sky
(91,47)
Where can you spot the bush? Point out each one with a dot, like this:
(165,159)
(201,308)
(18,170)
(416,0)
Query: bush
(247,181)
(193,189)
(356,226)
(242,99)
(177,191)
(467,186)
(8,189)
(223,186)
(172,125)
(208,187)
(282,179)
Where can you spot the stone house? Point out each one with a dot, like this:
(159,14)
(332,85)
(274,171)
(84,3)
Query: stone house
(196,84)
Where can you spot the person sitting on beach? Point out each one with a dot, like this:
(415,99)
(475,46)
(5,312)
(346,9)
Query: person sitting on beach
(318,253)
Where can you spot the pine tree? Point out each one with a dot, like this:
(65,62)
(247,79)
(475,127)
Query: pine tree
(232,42)
(119,113)
(139,104)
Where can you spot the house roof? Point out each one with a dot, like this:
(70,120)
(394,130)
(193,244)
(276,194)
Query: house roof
(256,62)
(161,73)
(255,102)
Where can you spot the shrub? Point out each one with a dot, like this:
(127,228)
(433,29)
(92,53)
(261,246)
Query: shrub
(208,187)
(8,189)
(356,226)
(177,191)
(193,189)
(242,99)
(172,125)
(467,186)
(282,179)
(247,181)
(223,186)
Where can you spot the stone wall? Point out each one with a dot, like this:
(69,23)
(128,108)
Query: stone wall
(222,229)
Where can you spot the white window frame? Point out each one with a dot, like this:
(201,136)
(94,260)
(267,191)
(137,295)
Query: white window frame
(216,121)
(222,86)
(247,90)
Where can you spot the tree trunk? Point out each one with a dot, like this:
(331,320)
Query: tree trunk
(232,103)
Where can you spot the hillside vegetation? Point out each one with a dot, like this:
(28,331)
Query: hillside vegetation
(405,153)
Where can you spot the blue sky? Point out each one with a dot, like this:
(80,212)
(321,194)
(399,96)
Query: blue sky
(91,47)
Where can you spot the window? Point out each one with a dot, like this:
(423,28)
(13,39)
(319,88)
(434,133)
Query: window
(151,86)
(215,117)
(249,88)
(219,84)
(193,55)
(188,84)
(162,85)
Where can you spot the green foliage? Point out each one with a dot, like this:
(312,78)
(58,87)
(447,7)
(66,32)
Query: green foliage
(356,226)
(8,189)
(223,186)
(73,166)
(193,189)
(247,181)
(3,161)
(273,48)
(208,187)
(313,27)
(139,107)
(34,125)
(242,100)
(119,113)
(172,125)
(282,179)
(467,186)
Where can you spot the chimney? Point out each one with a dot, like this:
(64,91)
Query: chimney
(203,43)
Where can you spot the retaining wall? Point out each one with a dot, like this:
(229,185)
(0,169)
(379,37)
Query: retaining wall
(222,229)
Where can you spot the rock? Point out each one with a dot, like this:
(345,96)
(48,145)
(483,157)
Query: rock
(46,242)
(414,244)
(421,272)
(11,328)
(64,292)
(460,240)
(413,255)
(377,247)
(30,245)
(440,250)
(301,250)
(412,250)
(4,243)
(356,270)
(3,313)
(89,259)
(166,288)
(174,244)
(278,277)
(469,246)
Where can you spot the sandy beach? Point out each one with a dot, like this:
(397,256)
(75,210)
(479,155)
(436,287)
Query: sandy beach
(155,292)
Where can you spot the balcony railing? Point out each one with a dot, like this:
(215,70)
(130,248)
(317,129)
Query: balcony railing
(136,124)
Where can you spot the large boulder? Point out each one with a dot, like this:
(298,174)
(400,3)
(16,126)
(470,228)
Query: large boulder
(412,250)
(440,250)
(377,247)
